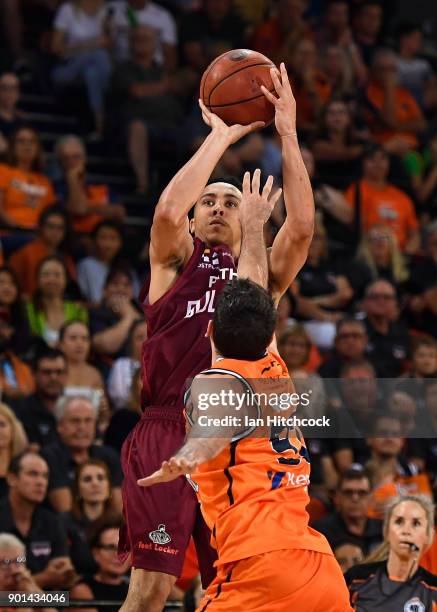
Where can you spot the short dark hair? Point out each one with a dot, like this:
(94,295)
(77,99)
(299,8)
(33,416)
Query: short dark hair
(112,224)
(118,269)
(102,526)
(405,28)
(52,211)
(231,180)
(349,320)
(15,464)
(48,353)
(244,320)
(356,472)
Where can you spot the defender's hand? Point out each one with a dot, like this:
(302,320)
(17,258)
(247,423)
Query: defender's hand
(169,470)
(232,132)
(256,207)
(285,104)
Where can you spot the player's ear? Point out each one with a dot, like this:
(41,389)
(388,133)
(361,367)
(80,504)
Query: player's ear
(191,226)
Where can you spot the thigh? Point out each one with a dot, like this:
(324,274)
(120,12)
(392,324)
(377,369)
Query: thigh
(159,520)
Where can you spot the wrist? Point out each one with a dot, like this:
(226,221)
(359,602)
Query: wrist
(291,135)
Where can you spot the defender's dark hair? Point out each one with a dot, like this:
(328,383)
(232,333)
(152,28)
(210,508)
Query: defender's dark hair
(244,320)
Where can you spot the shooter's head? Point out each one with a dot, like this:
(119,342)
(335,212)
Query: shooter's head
(217,214)
(244,321)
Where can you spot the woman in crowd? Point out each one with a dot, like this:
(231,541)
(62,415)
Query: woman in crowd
(91,500)
(51,240)
(24,190)
(391,577)
(12,311)
(13,441)
(125,418)
(75,343)
(124,368)
(378,256)
(335,147)
(81,41)
(49,311)
(109,582)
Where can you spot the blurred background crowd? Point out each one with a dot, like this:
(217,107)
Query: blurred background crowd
(98,109)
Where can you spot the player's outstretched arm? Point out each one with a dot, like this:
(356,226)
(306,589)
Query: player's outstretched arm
(255,210)
(170,239)
(290,247)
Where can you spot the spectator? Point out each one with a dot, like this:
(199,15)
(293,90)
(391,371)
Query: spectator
(424,359)
(379,256)
(338,71)
(336,149)
(310,86)
(111,321)
(349,347)
(124,368)
(137,13)
(13,441)
(321,294)
(422,286)
(389,340)
(390,472)
(77,418)
(393,115)
(37,411)
(348,554)
(14,575)
(24,190)
(88,203)
(350,521)
(366,25)
(13,312)
(10,117)
(49,311)
(74,342)
(51,239)
(278,35)
(414,72)
(392,572)
(110,581)
(210,31)
(376,201)
(124,419)
(92,491)
(22,514)
(147,101)
(16,378)
(81,43)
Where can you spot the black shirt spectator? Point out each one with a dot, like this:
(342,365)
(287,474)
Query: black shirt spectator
(336,531)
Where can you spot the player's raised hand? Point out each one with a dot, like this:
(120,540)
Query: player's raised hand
(232,132)
(169,470)
(256,207)
(284,102)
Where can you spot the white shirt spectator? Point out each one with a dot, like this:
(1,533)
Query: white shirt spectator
(120,380)
(151,15)
(79,27)
(414,74)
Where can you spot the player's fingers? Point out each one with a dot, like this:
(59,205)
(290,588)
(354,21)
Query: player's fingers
(284,74)
(268,94)
(257,125)
(274,73)
(256,179)
(150,480)
(246,183)
(267,187)
(275,196)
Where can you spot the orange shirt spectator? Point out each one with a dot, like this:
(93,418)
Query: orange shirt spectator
(429,559)
(16,378)
(401,485)
(24,190)
(24,195)
(387,206)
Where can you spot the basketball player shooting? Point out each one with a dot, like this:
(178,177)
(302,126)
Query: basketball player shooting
(191,262)
(252,480)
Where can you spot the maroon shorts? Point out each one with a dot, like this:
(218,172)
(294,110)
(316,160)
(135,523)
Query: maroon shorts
(159,520)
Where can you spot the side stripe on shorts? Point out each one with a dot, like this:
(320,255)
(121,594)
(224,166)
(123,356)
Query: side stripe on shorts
(219,590)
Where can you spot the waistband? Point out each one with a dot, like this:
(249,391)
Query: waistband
(163,412)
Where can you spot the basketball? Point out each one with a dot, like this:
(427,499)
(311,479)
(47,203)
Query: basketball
(230,87)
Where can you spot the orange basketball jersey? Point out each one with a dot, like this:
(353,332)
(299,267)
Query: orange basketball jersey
(254,493)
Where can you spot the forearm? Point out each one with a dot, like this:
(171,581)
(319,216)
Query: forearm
(77,201)
(186,186)
(413,243)
(198,450)
(426,187)
(252,262)
(336,205)
(111,340)
(298,195)
(388,112)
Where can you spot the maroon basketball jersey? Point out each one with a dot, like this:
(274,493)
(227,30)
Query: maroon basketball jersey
(176,348)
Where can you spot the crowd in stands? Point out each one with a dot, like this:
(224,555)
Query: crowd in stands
(358,326)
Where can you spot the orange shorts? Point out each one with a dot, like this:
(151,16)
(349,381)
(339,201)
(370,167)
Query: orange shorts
(279,581)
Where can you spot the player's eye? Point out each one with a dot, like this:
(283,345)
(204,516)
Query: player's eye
(231,204)
(209,202)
